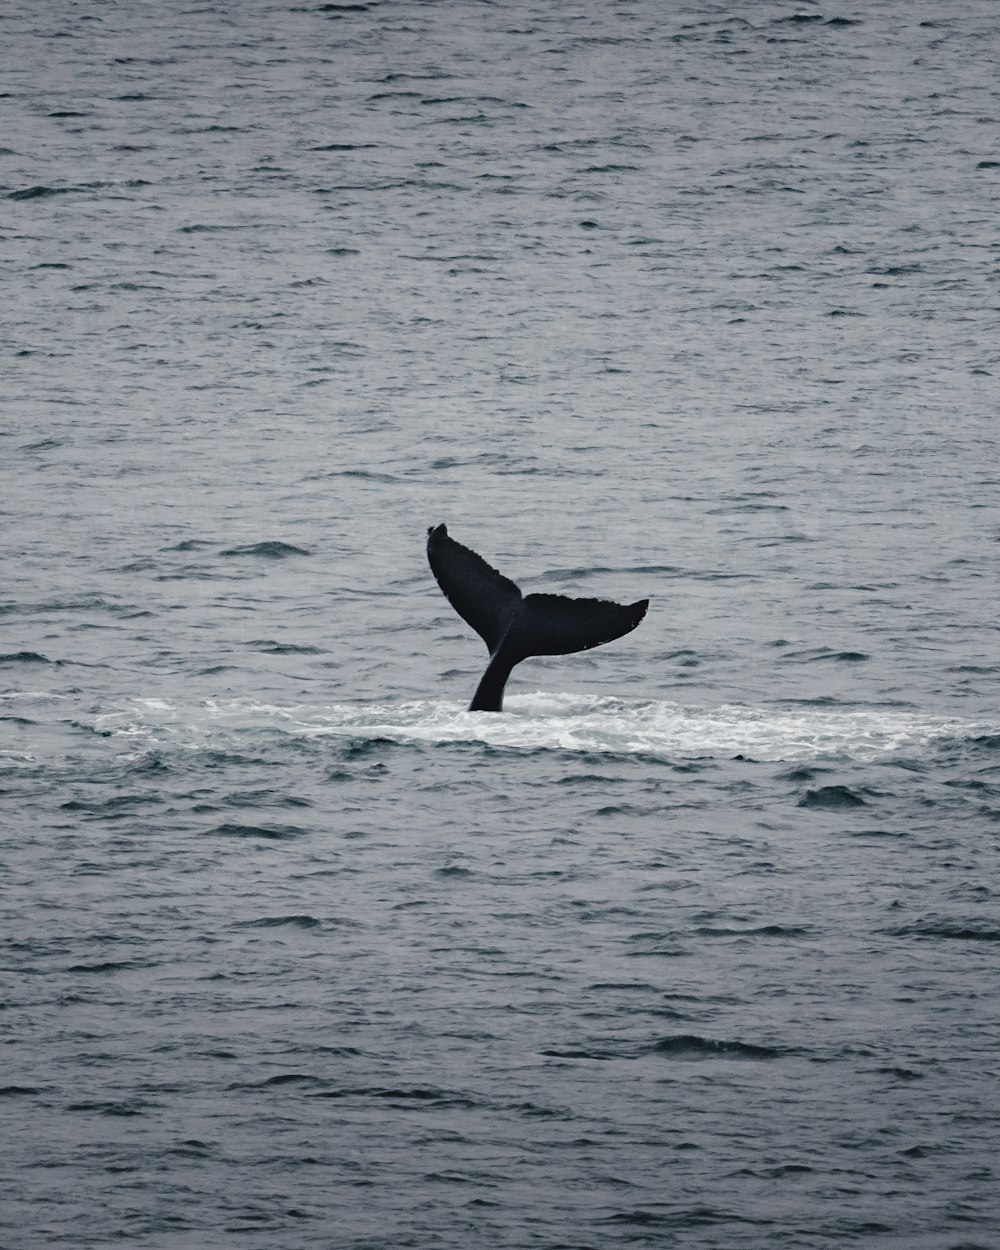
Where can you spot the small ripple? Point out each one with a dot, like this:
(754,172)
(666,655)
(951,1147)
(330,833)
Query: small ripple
(126,1107)
(281,1079)
(432,1097)
(190,544)
(192,1148)
(267,551)
(112,965)
(680,1217)
(298,921)
(269,647)
(831,797)
(692,1046)
(38,192)
(950,930)
(271,833)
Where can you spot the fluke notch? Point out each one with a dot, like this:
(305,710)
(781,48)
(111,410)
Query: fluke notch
(515,626)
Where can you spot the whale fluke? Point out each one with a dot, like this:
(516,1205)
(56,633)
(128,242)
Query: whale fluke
(515,626)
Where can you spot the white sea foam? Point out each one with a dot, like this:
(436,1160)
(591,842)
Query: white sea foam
(541,721)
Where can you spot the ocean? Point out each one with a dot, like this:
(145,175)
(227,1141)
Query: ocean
(695,945)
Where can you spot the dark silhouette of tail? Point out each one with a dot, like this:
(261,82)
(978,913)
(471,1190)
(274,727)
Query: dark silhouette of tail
(513,625)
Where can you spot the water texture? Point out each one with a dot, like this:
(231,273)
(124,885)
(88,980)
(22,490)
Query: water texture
(696,945)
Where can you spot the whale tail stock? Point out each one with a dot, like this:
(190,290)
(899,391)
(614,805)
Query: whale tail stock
(516,626)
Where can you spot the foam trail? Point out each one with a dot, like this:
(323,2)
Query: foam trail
(541,721)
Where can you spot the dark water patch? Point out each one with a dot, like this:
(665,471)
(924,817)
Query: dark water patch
(533,1111)
(591,780)
(267,551)
(38,192)
(781,1170)
(393,95)
(130,1107)
(820,655)
(366,748)
(802,773)
(120,805)
(988,165)
(21,721)
(622,809)
(219,759)
(280,1080)
(989,789)
(19,1091)
(680,1218)
(201,228)
(692,1046)
(821,700)
(741,505)
(268,646)
(189,544)
(298,921)
(686,1046)
(46,444)
(112,965)
(934,927)
(767,930)
(192,1148)
(365,475)
(894,271)
(81,603)
(152,764)
(423,1096)
(584,1052)
(270,833)
(264,798)
(633,987)
(26,657)
(831,798)
(667,945)
(195,573)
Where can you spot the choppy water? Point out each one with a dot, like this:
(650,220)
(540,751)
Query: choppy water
(696,945)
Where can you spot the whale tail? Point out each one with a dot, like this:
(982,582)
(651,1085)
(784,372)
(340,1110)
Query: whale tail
(515,626)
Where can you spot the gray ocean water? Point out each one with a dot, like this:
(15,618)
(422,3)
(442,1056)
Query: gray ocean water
(696,945)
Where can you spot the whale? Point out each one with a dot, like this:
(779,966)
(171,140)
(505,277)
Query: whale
(515,626)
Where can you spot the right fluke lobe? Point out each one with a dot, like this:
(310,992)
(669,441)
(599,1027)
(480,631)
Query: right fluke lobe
(515,626)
